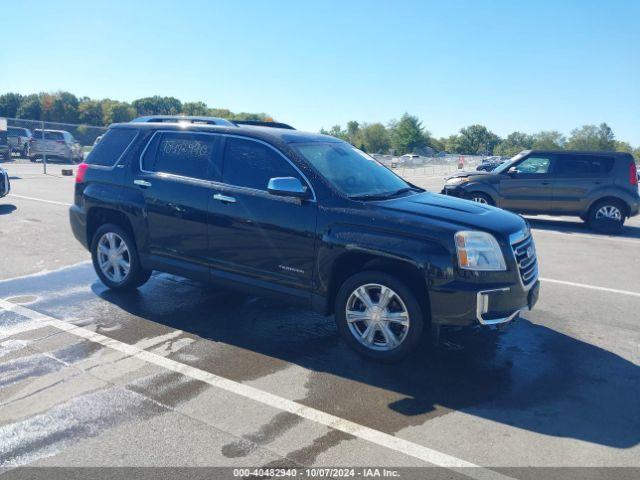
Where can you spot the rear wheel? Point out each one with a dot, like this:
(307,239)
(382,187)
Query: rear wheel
(115,258)
(607,216)
(379,316)
(482,198)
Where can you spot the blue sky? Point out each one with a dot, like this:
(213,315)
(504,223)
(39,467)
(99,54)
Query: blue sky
(511,65)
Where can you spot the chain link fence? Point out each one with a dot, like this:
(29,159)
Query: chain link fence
(409,166)
(50,142)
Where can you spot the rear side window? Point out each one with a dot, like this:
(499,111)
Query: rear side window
(113,144)
(17,132)
(252,164)
(53,136)
(181,153)
(582,165)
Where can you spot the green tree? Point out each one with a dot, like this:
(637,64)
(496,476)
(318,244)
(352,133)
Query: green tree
(407,134)
(591,137)
(90,112)
(622,146)
(353,129)
(115,112)
(335,131)
(30,108)
(477,140)
(374,137)
(64,107)
(9,104)
(195,108)
(453,144)
(157,105)
(514,144)
(549,140)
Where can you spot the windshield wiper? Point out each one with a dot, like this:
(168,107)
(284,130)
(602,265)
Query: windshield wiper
(383,196)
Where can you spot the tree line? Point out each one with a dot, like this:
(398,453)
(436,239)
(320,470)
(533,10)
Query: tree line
(407,135)
(65,107)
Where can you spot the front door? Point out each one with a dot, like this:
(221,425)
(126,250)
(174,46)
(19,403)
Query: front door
(175,179)
(528,188)
(253,233)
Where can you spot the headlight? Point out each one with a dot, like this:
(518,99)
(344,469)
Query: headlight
(457,181)
(479,251)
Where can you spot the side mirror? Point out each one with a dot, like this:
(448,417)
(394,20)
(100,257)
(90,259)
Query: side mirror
(287,187)
(512,172)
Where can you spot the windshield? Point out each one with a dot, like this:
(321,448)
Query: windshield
(506,165)
(351,171)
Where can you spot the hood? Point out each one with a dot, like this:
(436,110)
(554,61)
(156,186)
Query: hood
(470,173)
(457,213)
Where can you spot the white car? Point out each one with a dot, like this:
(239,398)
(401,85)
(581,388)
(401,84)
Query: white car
(57,144)
(410,159)
(5,186)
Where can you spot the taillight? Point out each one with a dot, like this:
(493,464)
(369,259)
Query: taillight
(633,174)
(82,170)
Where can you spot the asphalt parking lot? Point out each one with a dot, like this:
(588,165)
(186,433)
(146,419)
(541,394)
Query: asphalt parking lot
(182,374)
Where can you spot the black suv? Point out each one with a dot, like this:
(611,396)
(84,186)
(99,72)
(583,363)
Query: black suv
(599,187)
(305,217)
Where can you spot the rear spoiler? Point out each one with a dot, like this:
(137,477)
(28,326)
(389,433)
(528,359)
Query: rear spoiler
(255,123)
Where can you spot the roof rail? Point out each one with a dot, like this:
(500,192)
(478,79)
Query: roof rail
(182,119)
(256,123)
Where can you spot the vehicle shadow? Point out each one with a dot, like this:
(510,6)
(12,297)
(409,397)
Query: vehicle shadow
(577,226)
(7,208)
(530,376)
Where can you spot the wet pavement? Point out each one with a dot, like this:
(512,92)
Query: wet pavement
(560,387)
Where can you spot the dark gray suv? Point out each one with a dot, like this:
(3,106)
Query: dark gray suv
(599,187)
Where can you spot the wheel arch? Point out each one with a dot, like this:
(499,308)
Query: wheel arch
(609,198)
(98,216)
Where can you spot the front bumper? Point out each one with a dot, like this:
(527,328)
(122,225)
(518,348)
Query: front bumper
(464,304)
(454,191)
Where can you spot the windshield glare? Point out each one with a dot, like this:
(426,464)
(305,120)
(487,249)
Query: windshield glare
(506,165)
(349,170)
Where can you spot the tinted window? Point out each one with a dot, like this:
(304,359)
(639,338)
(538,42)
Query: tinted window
(534,165)
(252,164)
(48,135)
(17,132)
(113,144)
(580,165)
(184,154)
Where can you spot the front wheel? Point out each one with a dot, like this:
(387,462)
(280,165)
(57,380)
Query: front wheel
(482,198)
(607,216)
(115,258)
(379,316)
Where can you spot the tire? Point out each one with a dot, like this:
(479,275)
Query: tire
(607,216)
(482,198)
(401,300)
(111,235)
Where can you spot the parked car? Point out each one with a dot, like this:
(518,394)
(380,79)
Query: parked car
(599,187)
(303,217)
(410,160)
(490,163)
(19,140)
(5,185)
(56,144)
(5,149)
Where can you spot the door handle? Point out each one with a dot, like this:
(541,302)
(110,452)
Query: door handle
(224,198)
(142,183)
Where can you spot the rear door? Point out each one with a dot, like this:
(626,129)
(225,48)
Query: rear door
(254,233)
(174,177)
(575,177)
(529,189)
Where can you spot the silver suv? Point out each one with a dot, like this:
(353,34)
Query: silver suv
(57,144)
(19,140)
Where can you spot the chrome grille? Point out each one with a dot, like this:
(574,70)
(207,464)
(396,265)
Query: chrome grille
(527,260)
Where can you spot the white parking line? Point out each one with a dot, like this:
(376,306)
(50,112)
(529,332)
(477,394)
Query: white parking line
(591,287)
(588,236)
(40,200)
(43,272)
(360,431)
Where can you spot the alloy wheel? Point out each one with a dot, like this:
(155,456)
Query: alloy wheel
(114,258)
(610,212)
(377,317)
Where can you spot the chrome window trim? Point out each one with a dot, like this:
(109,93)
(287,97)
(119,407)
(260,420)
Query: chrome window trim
(222,183)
